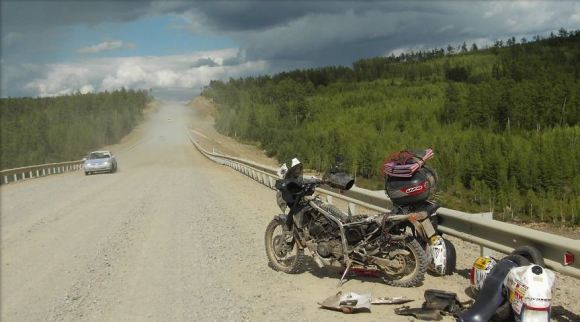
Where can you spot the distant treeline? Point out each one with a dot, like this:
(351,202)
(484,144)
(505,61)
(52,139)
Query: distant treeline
(503,121)
(64,128)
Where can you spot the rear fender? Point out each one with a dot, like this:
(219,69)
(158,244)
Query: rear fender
(402,227)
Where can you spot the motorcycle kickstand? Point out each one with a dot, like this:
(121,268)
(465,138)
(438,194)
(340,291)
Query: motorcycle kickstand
(348,265)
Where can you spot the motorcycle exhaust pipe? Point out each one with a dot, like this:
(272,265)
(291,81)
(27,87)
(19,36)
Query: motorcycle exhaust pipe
(340,181)
(318,262)
(316,258)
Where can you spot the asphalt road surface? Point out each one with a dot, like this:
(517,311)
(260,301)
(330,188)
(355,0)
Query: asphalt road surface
(171,236)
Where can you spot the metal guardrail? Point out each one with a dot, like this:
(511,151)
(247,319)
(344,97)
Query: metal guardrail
(35,171)
(473,228)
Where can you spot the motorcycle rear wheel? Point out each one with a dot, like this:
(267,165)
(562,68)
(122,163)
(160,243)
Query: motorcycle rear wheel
(415,266)
(282,250)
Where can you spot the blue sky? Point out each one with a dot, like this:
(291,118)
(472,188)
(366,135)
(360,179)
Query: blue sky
(151,36)
(59,47)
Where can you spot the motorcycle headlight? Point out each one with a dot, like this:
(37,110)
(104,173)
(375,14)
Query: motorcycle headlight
(281,203)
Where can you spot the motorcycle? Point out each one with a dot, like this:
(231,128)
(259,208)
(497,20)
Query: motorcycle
(377,243)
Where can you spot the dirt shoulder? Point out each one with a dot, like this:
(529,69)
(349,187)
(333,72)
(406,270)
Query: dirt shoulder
(202,127)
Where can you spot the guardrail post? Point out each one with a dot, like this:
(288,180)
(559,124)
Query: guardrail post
(352,209)
(271,181)
(5,179)
(15,177)
(484,251)
(329,199)
(30,173)
(37,173)
(43,172)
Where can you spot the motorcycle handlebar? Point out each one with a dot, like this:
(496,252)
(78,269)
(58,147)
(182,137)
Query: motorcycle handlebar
(340,181)
(313,180)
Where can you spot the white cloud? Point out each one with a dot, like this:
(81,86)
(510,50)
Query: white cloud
(141,72)
(88,88)
(105,46)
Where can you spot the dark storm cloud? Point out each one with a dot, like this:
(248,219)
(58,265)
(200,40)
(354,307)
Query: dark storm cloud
(260,15)
(256,15)
(43,15)
(301,30)
(339,32)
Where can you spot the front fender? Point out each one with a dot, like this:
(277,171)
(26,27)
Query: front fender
(287,221)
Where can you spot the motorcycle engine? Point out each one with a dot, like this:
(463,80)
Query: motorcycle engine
(331,248)
(320,228)
(325,234)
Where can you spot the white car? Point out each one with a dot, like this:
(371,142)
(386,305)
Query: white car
(100,161)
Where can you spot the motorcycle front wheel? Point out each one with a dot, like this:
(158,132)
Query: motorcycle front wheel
(412,267)
(282,250)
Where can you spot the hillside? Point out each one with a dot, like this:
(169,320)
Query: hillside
(503,121)
(64,128)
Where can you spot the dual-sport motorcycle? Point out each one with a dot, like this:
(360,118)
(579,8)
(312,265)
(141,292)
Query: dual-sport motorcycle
(378,243)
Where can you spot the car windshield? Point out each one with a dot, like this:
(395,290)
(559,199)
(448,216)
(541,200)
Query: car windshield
(98,155)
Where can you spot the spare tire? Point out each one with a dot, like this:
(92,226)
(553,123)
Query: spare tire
(532,254)
(504,312)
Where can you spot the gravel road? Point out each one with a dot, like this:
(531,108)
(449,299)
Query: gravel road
(170,237)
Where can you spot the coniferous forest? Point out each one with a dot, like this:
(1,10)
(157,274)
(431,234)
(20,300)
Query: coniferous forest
(503,121)
(55,129)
